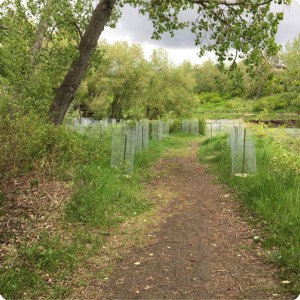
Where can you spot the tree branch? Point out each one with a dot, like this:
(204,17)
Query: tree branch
(227,3)
(77,29)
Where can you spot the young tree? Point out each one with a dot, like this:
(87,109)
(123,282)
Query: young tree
(155,91)
(206,76)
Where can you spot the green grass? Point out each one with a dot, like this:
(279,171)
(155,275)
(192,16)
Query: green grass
(104,197)
(272,195)
(248,109)
(38,267)
(227,108)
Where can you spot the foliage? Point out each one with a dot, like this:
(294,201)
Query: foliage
(274,102)
(115,85)
(247,27)
(128,86)
(176,126)
(210,98)
(208,78)
(104,197)
(202,126)
(28,143)
(296,103)
(35,55)
(34,77)
(291,58)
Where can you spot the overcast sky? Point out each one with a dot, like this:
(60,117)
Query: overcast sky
(135,28)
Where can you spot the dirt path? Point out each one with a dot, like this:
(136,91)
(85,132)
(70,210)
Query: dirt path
(200,250)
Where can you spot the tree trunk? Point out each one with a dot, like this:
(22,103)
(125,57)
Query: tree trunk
(66,92)
(148,112)
(40,33)
(115,107)
(259,90)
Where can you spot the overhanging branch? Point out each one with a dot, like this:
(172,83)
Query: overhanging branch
(228,3)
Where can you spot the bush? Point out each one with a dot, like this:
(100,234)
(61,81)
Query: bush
(176,126)
(296,103)
(28,143)
(210,98)
(274,102)
(202,126)
(264,103)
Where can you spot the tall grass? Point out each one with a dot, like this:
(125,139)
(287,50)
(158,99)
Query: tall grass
(272,194)
(104,197)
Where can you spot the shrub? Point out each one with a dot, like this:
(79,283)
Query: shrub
(274,102)
(175,126)
(296,103)
(264,103)
(210,98)
(202,126)
(27,143)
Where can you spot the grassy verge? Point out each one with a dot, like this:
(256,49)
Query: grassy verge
(267,108)
(42,266)
(272,196)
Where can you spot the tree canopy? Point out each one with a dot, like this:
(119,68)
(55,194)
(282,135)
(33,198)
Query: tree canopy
(126,85)
(247,27)
(57,37)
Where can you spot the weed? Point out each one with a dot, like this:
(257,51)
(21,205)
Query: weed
(273,194)
(42,267)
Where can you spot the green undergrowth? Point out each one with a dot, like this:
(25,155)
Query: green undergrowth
(42,267)
(30,144)
(106,196)
(272,195)
(283,106)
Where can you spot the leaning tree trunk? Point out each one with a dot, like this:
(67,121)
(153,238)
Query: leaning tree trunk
(66,92)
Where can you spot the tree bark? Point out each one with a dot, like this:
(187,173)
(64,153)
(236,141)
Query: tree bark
(40,33)
(115,107)
(66,92)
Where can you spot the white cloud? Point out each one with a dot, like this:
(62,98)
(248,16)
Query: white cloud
(178,56)
(135,28)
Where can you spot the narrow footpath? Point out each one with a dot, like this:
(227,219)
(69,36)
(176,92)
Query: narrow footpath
(201,249)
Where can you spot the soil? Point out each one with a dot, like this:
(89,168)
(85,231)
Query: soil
(201,247)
